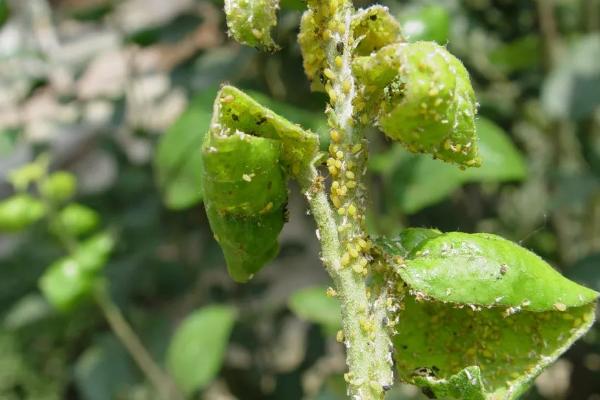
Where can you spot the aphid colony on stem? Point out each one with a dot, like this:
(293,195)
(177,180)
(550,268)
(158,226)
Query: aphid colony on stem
(394,293)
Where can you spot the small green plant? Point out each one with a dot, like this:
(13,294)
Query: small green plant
(77,277)
(463,316)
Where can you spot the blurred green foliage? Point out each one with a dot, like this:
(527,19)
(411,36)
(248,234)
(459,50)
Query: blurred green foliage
(132,136)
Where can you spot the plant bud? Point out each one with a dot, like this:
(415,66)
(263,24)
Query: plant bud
(250,22)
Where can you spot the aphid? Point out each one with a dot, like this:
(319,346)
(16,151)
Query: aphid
(340,47)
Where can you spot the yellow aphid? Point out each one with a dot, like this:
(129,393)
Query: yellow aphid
(343,190)
(339,336)
(336,201)
(257,34)
(338,163)
(349,174)
(335,136)
(332,96)
(339,155)
(339,62)
(346,86)
(329,73)
(357,268)
(333,170)
(352,210)
(330,292)
(362,243)
(345,260)
(356,148)
(351,184)
(341,211)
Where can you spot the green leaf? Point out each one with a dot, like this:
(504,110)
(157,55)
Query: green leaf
(424,100)
(245,198)
(431,22)
(521,54)
(315,121)
(493,272)
(247,157)
(572,89)
(417,181)
(103,370)
(312,304)
(498,291)
(250,22)
(236,111)
(59,186)
(20,211)
(4,11)
(501,160)
(197,349)
(376,27)
(76,220)
(448,344)
(69,280)
(178,161)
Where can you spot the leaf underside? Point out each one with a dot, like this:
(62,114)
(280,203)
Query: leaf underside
(481,316)
(436,343)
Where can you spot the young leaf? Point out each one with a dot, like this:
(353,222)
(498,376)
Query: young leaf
(76,219)
(178,163)
(59,186)
(250,22)
(69,280)
(430,106)
(198,346)
(20,211)
(497,290)
(372,28)
(376,28)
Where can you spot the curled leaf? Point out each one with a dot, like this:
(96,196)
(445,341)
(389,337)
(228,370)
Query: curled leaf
(247,157)
(374,28)
(236,111)
(423,98)
(250,22)
(245,195)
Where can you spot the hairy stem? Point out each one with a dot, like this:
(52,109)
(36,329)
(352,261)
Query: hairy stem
(162,382)
(340,219)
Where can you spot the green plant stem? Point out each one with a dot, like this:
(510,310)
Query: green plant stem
(345,244)
(367,350)
(163,383)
